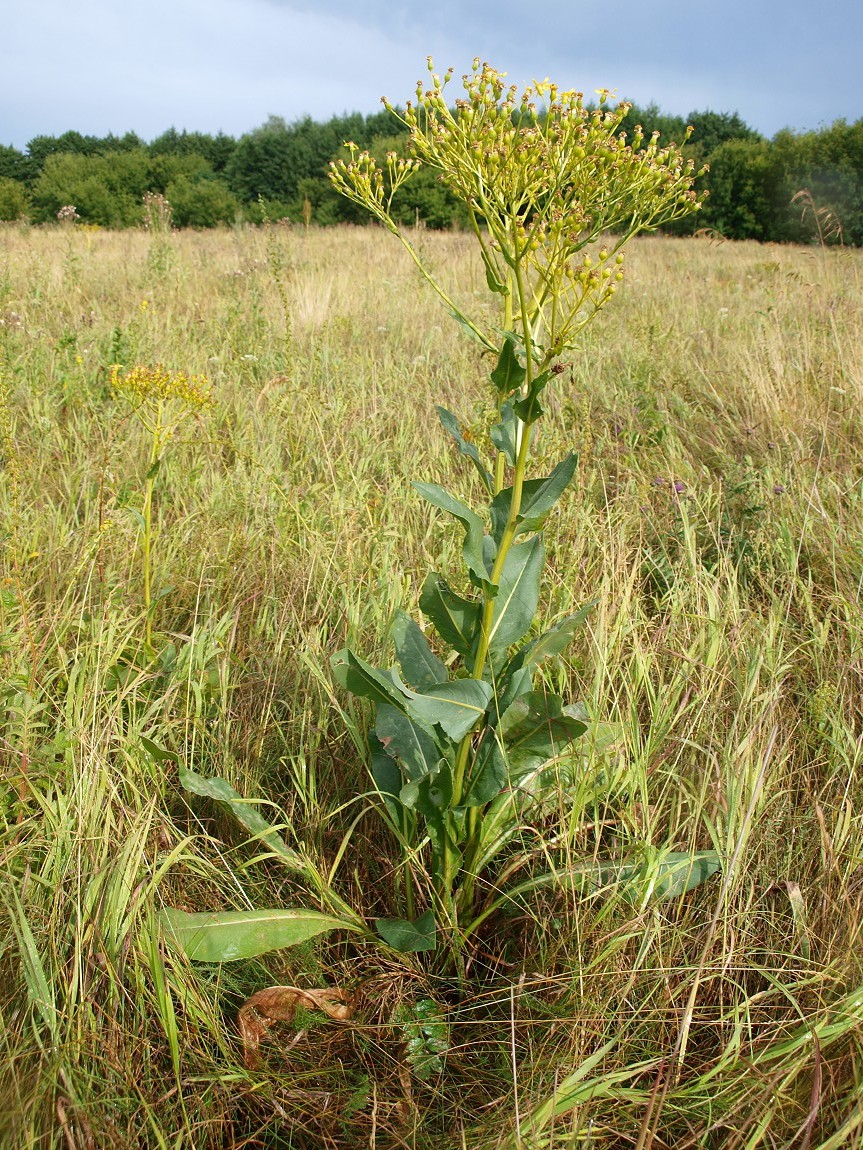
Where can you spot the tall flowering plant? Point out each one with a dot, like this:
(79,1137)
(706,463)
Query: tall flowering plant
(462,741)
(553,191)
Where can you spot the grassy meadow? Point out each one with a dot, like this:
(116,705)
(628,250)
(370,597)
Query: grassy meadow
(717,521)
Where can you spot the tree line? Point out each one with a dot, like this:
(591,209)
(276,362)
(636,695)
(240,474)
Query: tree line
(795,187)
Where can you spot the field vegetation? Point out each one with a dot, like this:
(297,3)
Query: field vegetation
(161,619)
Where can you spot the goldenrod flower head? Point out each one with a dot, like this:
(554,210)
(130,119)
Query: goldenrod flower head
(150,385)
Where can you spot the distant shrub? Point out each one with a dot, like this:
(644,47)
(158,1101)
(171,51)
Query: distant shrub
(14,201)
(201,203)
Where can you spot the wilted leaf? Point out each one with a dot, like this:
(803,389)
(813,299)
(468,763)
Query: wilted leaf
(280,1004)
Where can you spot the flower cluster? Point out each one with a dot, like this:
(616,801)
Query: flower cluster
(143,385)
(543,178)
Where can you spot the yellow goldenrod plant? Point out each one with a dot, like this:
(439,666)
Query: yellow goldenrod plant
(464,743)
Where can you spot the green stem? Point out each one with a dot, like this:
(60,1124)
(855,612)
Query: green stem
(465,895)
(148,529)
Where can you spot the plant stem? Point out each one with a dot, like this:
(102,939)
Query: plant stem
(148,531)
(465,894)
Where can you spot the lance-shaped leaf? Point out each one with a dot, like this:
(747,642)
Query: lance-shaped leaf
(538,496)
(529,409)
(509,375)
(536,728)
(358,677)
(518,594)
(473,526)
(550,643)
(492,277)
(450,424)
(454,706)
(222,792)
(456,620)
(409,937)
(224,936)
(488,775)
(504,435)
(411,742)
(420,665)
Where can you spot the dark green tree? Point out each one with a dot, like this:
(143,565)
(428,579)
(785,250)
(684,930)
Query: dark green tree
(216,150)
(14,165)
(748,192)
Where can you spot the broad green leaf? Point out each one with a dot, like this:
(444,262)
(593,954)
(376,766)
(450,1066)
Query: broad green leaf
(511,684)
(222,792)
(489,554)
(530,409)
(518,594)
(509,375)
(552,642)
(450,424)
(157,754)
(473,525)
(224,936)
(669,876)
(455,619)
(488,774)
(538,496)
(504,434)
(409,937)
(454,706)
(410,742)
(431,795)
(387,778)
(356,676)
(536,728)
(678,872)
(420,665)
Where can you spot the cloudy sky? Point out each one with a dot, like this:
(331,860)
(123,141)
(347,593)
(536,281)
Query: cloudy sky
(100,66)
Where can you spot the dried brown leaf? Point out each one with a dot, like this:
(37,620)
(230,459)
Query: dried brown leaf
(279,1004)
